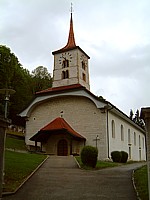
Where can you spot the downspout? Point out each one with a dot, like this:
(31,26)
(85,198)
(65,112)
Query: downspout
(108,108)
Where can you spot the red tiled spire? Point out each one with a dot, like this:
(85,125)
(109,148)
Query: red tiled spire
(71,40)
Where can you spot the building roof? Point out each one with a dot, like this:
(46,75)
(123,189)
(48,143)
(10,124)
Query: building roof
(59,89)
(56,126)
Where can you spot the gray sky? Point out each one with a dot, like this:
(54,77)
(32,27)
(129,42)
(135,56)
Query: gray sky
(114,33)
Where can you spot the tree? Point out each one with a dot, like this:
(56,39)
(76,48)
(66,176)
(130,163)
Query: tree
(136,118)
(41,79)
(131,114)
(12,75)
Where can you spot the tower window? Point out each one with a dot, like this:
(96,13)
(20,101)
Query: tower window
(83,76)
(83,65)
(65,74)
(65,63)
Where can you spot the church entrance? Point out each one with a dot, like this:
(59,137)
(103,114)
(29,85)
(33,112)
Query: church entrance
(62,148)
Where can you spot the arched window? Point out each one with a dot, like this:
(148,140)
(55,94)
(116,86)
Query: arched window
(134,138)
(65,63)
(84,76)
(143,143)
(139,141)
(129,137)
(83,65)
(65,74)
(122,133)
(113,128)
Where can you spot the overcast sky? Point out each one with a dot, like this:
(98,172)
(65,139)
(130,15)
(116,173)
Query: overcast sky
(114,33)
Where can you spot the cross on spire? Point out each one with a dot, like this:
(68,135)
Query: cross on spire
(71,9)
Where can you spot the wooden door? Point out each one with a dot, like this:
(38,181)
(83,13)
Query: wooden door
(62,148)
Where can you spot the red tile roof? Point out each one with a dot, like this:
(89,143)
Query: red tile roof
(55,89)
(58,124)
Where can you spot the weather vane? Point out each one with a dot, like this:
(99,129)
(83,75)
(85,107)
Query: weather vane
(71,9)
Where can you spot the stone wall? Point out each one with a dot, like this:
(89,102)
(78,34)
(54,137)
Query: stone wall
(80,112)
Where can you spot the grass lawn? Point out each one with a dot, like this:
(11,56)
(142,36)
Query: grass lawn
(141,182)
(99,165)
(13,143)
(18,166)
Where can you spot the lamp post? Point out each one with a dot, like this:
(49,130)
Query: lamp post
(3,125)
(7,93)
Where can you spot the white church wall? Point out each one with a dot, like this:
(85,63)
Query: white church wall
(80,112)
(130,143)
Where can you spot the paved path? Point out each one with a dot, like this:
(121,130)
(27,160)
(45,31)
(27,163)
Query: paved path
(67,182)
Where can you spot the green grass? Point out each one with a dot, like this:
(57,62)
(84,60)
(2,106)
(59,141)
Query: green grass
(141,182)
(14,133)
(13,143)
(18,166)
(99,165)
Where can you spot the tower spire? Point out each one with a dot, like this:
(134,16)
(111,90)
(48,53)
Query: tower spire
(71,39)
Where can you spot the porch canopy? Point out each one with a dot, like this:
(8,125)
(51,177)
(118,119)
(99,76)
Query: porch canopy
(58,125)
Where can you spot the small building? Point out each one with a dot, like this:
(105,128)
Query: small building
(64,118)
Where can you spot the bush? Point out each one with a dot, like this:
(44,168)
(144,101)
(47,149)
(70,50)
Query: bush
(116,156)
(124,157)
(119,156)
(89,156)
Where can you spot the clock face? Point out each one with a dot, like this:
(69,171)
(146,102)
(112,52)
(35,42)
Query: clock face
(65,56)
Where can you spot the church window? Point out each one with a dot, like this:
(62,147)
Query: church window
(129,137)
(65,74)
(134,138)
(143,143)
(122,133)
(113,128)
(84,76)
(65,63)
(139,141)
(83,65)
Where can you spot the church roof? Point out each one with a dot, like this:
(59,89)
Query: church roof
(60,89)
(57,125)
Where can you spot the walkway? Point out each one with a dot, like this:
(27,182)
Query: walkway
(67,182)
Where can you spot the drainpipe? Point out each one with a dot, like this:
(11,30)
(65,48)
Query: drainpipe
(108,108)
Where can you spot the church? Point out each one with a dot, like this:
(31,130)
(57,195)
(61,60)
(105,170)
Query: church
(63,119)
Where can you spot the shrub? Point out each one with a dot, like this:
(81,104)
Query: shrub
(124,157)
(119,156)
(89,156)
(116,156)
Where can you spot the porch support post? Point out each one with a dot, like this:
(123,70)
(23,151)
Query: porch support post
(41,146)
(35,145)
(71,146)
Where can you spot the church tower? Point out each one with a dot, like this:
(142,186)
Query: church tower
(71,64)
